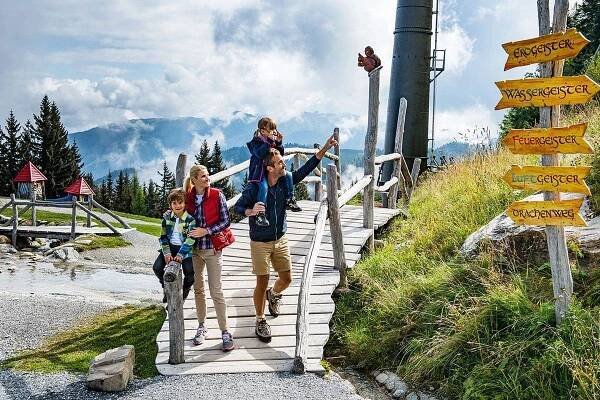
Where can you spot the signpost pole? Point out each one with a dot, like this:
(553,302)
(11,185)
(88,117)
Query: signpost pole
(562,280)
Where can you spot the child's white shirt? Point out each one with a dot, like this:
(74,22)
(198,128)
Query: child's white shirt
(176,236)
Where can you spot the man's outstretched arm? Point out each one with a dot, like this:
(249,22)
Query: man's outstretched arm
(312,163)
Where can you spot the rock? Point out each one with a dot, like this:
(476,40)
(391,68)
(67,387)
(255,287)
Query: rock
(39,242)
(423,396)
(400,389)
(83,241)
(524,243)
(7,248)
(412,396)
(375,373)
(5,240)
(112,370)
(390,384)
(26,253)
(66,254)
(88,258)
(381,378)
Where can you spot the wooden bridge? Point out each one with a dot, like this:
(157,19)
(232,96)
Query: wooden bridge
(325,239)
(12,227)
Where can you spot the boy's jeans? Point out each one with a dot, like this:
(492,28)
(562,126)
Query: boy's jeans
(187,266)
(263,188)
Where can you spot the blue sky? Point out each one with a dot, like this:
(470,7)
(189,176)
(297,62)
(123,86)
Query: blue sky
(115,60)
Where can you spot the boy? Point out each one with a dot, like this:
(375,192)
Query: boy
(176,244)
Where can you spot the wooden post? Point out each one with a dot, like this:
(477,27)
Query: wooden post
(173,290)
(73,216)
(33,209)
(562,280)
(90,205)
(414,175)
(369,156)
(302,328)
(335,227)
(15,220)
(319,185)
(180,169)
(338,162)
(392,198)
(296,161)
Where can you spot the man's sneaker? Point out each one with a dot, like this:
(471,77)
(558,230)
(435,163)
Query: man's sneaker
(274,301)
(263,331)
(186,292)
(228,344)
(200,335)
(291,205)
(261,219)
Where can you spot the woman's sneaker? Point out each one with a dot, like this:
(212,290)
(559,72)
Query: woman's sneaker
(263,330)
(228,344)
(274,301)
(200,335)
(261,219)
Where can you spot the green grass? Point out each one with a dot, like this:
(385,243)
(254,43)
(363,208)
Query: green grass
(43,215)
(153,230)
(474,329)
(138,217)
(73,349)
(101,242)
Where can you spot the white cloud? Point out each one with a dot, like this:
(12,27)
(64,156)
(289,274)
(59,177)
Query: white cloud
(459,48)
(455,124)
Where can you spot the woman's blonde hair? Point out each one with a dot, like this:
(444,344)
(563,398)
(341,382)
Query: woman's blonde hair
(194,171)
(266,123)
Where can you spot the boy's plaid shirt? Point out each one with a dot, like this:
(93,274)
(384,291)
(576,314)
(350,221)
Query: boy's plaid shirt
(186,224)
(204,242)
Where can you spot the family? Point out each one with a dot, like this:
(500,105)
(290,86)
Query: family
(195,229)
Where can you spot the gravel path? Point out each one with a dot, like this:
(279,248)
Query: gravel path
(21,386)
(142,253)
(27,319)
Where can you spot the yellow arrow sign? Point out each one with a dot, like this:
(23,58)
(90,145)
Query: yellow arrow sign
(567,140)
(556,46)
(546,92)
(564,213)
(550,179)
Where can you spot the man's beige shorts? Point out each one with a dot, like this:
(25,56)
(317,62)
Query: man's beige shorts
(265,254)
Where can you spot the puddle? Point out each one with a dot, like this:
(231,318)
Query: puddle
(76,280)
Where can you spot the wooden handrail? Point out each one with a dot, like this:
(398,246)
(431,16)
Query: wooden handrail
(112,214)
(93,214)
(386,186)
(354,190)
(387,157)
(302,323)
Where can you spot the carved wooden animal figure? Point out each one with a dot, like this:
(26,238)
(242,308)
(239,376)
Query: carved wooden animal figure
(369,61)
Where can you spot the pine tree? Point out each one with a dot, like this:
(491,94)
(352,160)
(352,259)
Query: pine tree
(120,188)
(109,191)
(217,165)
(59,160)
(300,190)
(29,149)
(101,194)
(586,19)
(10,157)
(153,200)
(203,156)
(167,183)
(138,198)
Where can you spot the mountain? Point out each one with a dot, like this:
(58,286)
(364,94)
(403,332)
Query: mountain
(115,175)
(143,144)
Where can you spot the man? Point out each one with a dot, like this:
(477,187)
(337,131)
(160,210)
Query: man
(268,244)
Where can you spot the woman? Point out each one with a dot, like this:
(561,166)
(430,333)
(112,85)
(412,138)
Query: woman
(209,207)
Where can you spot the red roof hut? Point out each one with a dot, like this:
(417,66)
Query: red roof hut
(80,187)
(29,178)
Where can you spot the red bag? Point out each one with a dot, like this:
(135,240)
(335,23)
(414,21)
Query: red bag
(222,239)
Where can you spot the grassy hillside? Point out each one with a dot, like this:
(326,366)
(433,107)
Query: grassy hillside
(474,329)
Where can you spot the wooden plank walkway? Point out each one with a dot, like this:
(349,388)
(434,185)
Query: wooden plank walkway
(250,354)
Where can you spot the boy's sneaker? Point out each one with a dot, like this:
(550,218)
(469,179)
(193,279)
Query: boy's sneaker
(186,292)
(261,219)
(291,205)
(201,333)
(274,301)
(263,330)
(228,344)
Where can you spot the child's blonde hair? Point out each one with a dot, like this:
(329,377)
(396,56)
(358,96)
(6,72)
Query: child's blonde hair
(194,171)
(266,123)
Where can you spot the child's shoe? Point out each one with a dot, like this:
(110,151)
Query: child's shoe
(261,219)
(291,205)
